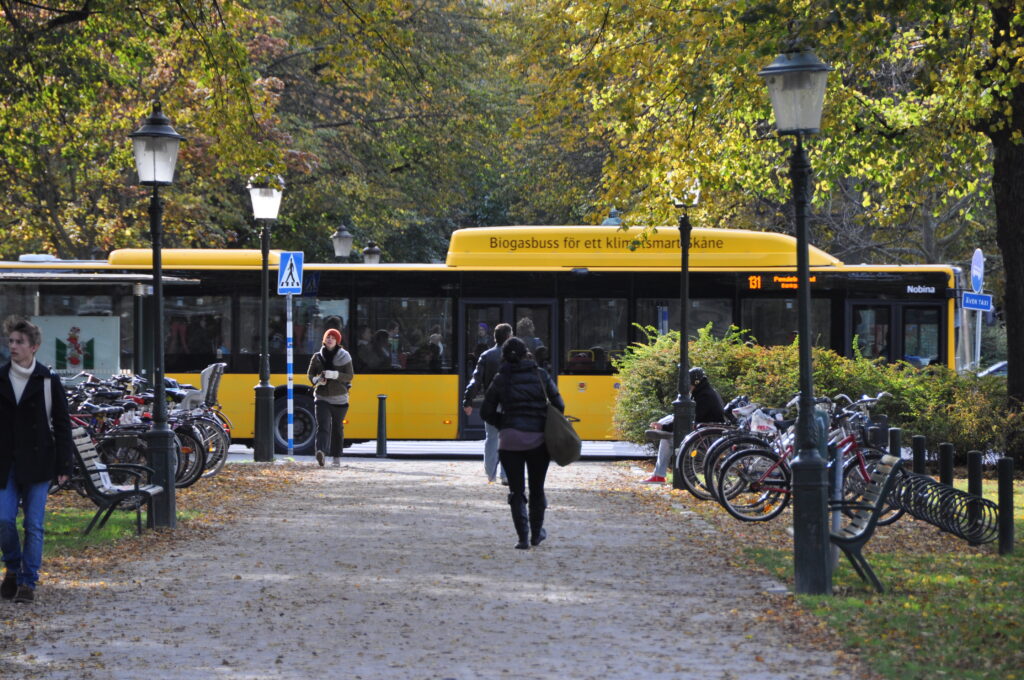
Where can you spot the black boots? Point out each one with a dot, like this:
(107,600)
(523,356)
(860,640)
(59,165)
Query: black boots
(520,518)
(530,521)
(537,505)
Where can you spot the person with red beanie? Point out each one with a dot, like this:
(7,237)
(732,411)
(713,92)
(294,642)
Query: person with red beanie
(330,371)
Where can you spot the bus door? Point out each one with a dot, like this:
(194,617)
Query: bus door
(910,332)
(531,320)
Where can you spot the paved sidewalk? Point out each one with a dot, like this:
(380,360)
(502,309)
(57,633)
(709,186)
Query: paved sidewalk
(406,569)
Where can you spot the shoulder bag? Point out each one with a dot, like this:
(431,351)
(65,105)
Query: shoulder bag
(562,442)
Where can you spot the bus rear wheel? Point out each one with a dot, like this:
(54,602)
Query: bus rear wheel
(304,426)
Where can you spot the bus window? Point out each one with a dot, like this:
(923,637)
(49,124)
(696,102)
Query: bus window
(533,326)
(663,314)
(872,327)
(773,321)
(479,333)
(76,305)
(595,329)
(920,335)
(197,331)
(405,334)
(311,316)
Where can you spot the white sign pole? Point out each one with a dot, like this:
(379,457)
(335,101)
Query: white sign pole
(291,379)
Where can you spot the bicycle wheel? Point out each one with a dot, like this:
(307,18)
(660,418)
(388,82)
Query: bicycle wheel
(192,457)
(123,447)
(856,477)
(721,449)
(215,443)
(689,463)
(754,485)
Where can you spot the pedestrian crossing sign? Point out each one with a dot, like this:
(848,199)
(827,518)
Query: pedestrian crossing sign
(289,274)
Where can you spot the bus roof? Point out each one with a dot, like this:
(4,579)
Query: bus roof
(600,247)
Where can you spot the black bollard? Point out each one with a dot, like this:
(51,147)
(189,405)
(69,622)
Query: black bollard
(382,426)
(946,464)
(974,488)
(1005,468)
(918,444)
(874,436)
(896,442)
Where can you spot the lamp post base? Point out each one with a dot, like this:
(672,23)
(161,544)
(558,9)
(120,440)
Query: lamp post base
(683,416)
(812,563)
(263,449)
(160,449)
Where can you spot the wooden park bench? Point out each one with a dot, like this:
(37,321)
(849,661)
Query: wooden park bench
(864,513)
(104,492)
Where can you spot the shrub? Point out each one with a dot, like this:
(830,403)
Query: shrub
(967,411)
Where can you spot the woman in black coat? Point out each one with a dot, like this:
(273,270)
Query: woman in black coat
(515,403)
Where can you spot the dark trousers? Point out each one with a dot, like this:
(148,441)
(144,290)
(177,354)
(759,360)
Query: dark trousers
(517,464)
(330,432)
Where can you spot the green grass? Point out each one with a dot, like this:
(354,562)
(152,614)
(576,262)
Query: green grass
(944,614)
(66,521)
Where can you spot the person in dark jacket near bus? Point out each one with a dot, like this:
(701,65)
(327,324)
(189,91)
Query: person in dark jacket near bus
(486,368)
(36,448)
(516,403)
(330,370)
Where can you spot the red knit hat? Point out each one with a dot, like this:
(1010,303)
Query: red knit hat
(332,332)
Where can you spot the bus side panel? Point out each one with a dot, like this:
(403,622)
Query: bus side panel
(418,406)
(591,398)
(237,399)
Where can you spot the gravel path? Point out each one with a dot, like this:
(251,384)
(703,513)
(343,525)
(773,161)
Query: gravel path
(406,569)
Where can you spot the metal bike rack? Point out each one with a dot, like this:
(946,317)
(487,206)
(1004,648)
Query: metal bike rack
(970,517)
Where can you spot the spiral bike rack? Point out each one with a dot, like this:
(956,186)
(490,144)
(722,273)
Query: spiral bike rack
(969,517)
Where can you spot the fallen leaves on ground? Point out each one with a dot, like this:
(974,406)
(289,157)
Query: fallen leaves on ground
(207,504)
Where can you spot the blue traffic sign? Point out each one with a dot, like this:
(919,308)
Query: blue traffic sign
(977,270)
(977,301)
(289,273)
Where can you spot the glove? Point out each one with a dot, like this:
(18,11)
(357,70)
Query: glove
(331,375)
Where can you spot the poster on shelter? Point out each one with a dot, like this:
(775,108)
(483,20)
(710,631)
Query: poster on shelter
(72,344)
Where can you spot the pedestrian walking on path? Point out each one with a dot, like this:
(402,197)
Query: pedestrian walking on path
(486,368)
(330,370)
(35,449)
(516,404)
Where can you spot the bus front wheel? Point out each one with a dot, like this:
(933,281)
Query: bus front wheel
(304,426)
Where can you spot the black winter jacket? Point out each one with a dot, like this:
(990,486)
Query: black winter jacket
(37,454)
(486,368)
(709,406)
(519,390)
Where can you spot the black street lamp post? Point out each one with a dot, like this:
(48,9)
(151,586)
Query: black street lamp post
(156,153)
(796,84)
(683,408)
(266,202)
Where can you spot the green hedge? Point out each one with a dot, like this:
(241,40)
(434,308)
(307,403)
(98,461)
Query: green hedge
(967,411)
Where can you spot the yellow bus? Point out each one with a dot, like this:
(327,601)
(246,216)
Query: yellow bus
(576,293)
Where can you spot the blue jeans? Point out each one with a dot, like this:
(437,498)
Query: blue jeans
(491,466)
(23,559)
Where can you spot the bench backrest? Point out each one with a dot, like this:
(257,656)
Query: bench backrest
(864,518)
(211,382)
(95,469)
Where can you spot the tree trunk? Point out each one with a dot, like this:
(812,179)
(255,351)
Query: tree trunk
(1008,194)
(1008,191)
